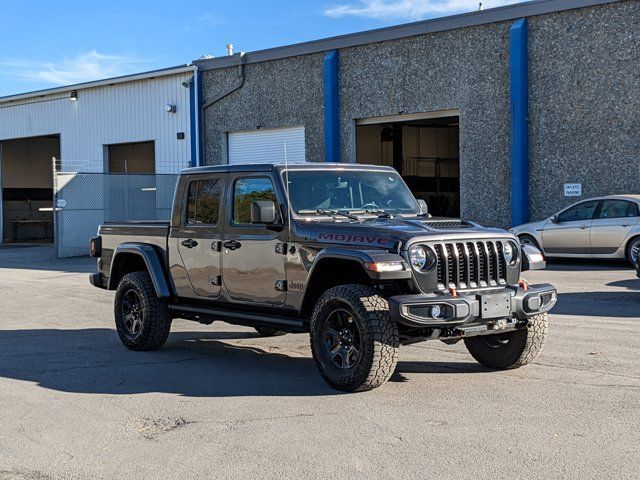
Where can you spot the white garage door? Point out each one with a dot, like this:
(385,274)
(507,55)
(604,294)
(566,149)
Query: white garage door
(267,146)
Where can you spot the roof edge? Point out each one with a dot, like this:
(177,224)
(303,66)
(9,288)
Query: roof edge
(453,22)
(98,83)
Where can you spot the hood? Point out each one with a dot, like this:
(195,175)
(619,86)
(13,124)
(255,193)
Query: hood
(387,232)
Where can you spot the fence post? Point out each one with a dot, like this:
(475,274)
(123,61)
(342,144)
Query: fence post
(54,209)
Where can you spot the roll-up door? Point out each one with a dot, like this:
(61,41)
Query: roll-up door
(267,146)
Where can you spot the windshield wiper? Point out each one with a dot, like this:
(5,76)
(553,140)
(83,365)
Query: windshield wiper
(379,212)
(324,211)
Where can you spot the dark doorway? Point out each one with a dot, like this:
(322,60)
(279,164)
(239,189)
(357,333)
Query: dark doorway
(26,168)
(425,152)
(137,157)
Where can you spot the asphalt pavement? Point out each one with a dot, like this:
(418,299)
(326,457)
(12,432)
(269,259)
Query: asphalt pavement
(220,402)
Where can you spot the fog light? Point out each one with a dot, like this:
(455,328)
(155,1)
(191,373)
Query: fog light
(435,311)
(534,303)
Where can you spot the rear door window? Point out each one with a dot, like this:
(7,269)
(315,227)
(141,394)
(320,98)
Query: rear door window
(618,209)
(203,204)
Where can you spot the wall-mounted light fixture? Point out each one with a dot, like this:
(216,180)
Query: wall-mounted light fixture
(170,108)
(74,96)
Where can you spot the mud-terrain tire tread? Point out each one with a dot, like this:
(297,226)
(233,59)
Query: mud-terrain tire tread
(524,346)
(157,326)
(380,343)
(269,332)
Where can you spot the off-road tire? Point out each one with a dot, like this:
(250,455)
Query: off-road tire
(269,332)
(528,239)
(156,318)
(379,338)
(633,242)
(523,346)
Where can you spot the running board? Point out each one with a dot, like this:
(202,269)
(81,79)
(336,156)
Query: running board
(209,315)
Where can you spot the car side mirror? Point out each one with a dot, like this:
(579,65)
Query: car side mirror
(424,208)
(553,219)
(532,258)
(263,211)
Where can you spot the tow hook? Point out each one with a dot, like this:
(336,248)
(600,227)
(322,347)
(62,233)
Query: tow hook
(500,324)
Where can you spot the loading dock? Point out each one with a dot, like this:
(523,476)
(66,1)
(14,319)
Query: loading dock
(423,148)
(27,188)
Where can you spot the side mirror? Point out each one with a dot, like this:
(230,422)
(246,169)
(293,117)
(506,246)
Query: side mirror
(553,219)
(263,211)
(532,258)
(424,208)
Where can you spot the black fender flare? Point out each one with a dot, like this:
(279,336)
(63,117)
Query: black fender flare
(151,259)
(364,257)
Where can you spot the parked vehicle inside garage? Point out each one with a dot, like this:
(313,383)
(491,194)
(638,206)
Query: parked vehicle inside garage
(344,252)
(603,227)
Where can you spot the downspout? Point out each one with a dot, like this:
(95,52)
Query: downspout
(519,114)
(194,120)
(241,74)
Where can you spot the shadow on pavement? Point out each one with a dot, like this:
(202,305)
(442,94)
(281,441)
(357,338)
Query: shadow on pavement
(191,364)
(42,257)
(586,265)
(599,304)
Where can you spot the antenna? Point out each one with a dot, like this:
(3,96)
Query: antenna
(286,190)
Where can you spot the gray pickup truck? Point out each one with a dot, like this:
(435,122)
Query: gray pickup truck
(344,252)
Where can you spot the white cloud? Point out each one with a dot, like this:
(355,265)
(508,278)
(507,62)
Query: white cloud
(408,9)
(82,68)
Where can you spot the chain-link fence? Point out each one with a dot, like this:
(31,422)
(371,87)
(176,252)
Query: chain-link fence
(82,201)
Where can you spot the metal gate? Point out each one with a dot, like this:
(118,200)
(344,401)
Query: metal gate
(82,201)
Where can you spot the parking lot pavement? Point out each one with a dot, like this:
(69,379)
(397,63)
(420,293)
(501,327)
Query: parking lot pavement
(219,402)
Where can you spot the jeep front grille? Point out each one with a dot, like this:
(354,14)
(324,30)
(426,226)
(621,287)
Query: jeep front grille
(468,265)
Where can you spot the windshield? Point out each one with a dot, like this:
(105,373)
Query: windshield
(315,191)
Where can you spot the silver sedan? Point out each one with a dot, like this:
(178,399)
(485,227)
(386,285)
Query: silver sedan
(604,227)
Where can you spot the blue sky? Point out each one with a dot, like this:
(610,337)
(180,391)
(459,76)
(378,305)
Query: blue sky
(47,44)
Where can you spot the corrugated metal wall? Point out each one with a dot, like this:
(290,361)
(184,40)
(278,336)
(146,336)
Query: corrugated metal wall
(118,113)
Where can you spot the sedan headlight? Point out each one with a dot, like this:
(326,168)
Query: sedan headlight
(422,258)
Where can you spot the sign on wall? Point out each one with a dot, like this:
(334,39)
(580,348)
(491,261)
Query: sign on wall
(572,189)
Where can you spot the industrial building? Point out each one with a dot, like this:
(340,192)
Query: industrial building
(137,124)
(499,115)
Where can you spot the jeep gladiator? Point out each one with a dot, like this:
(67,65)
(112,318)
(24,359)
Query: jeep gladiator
(343,252)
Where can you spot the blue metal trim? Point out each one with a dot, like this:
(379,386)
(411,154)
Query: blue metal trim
(519,88)
(331,107)
(192,121)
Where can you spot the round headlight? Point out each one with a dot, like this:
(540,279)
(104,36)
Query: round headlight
(509,252)
(422,257)
(417,257)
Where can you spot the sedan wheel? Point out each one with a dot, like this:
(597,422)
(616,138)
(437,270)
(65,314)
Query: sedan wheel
(633,251)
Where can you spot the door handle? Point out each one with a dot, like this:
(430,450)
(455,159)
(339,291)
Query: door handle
(582,227)
(232,245)
(189,243)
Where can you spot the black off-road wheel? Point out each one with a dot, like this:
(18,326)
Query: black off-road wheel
(353,339)
(269,332)
(143,320)
(509,350)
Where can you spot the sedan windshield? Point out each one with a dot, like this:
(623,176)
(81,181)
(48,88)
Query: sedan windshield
(344,191)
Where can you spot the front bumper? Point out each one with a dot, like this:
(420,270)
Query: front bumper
(483,308)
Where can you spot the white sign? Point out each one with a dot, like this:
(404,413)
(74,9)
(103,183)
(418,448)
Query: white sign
(572,189)
(61,203)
